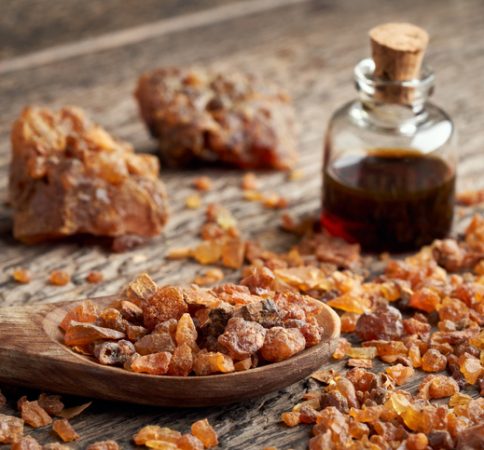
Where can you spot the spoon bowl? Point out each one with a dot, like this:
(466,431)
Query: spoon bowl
(32,354)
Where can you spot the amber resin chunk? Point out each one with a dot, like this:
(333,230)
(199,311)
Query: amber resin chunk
(26,443)
(64,430)
(104,445)
(33,414)
(189,442)
(11,429)
(282,343)
(69,176)
(153,364)
(52,404)
(156,433)
(205,432)
(230,118)
(80,333)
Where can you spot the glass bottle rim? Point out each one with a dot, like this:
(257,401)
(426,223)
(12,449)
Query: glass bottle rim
(363,74)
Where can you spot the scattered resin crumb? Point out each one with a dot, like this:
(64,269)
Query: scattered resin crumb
(193,201)
(202,184)
(210,276)
(249,182)
(295,175)
(21,275)
(94,277)
(59,278)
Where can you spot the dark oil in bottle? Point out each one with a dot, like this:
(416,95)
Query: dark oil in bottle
(389,199)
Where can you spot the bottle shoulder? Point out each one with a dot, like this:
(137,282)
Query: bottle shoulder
(392,125)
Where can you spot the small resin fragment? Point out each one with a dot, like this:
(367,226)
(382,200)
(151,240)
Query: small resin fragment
(104,445)
(52,404)
(140,289)
(207,363)
(383,323)
(189,442)
(179,253)
(470,367)
(437,386)
(112,318)
(210,276)
(399,373)
(203,183)
(433,361)
(33,414)
(249,182)
(193,201)
(186,332)
(11,429)
(55,446)
(26,443)
(156,433)
(21,275)
(274,201)
(80,333)
(265,312)
(425,299)
(361,362)
(161,445)
(291,419)
(242,338)
(64,430)
(348,322)
(86,311)
(181,362)
(242,365)
(131,312)
(205,432)
(166,303)
(94,277)
(113,353)
(155,343)
(153,364)
(282,343)
(362,352)
(59,278)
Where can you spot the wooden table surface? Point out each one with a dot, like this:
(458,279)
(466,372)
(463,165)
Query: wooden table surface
(89,54)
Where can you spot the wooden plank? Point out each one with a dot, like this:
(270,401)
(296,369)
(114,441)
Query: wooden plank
(30,25)
(311,49)
(141,33)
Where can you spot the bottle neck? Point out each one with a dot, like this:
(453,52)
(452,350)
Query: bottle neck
(392,104)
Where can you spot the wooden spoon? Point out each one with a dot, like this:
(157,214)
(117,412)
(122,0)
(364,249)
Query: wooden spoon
(32,354)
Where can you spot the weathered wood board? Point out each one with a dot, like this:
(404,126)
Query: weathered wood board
(308,46)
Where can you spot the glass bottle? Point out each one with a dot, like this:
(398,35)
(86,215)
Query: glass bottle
(389,165)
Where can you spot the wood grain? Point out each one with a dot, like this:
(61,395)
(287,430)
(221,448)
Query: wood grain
(311,49)
(53,22)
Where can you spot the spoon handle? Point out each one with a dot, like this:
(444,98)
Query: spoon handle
(29,356)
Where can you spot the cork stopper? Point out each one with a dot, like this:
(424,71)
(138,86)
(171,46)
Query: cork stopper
(397,51)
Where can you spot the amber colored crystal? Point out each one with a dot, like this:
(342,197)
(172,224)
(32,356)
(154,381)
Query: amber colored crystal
(205,432)
(59,278)
(80,333)
(104,445)
(153,364)
(33,414)
(26,443)
(64,430)
(11,429)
